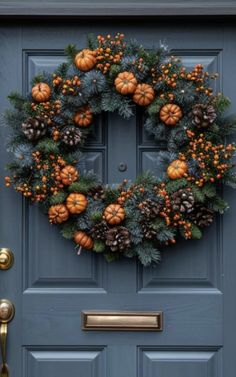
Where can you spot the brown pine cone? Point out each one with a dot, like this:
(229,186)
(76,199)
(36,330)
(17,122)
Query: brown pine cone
(202,216)
(34,128)
(148,231)
(99,231)
(71,135)
(203,115)
(150,208)
(183,201)
(97,192)
(118,238)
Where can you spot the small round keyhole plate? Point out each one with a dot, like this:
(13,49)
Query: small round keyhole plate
(7,311)
(6,258)
(122,166)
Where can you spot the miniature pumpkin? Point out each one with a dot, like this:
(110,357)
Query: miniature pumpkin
(144,94)
(41,92)
(177,169)
(69,174)
(58,213)
(114,214)
(83,117)
(125,83)
(76,203)
(85,60)
(83,239)
(170,114)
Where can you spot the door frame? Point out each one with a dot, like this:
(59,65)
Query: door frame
(76,9)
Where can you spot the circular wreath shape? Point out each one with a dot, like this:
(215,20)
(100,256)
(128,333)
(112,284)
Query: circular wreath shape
(112,74)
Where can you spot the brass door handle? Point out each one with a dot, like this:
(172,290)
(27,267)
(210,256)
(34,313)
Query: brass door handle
(6,258)
(7,312)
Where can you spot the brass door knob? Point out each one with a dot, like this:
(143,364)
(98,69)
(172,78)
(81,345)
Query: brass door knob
(7,312)
(6,258)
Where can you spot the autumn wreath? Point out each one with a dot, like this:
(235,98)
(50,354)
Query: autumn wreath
(137,219)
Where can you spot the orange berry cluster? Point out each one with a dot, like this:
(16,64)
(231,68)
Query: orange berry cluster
(47,109)
(212,159)
(109,51)
(67,86)
(199,77)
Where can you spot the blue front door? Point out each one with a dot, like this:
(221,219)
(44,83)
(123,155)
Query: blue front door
(50,285)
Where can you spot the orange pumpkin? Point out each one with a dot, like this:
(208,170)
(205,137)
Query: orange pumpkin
(41,92)
(83,239)
(76,203)
(170,114)
(125,83)
(177,169)
(85,60)
(58,214)
(83,117)
(69,174)
(114,214)
(144,94)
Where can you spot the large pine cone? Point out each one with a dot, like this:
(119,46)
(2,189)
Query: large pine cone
(34,128)
(203,115)
(202,216)
(183,201)
(71,135)
(150,208)
(99,231)
(118,238)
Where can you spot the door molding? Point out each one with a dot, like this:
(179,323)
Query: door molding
(32,9)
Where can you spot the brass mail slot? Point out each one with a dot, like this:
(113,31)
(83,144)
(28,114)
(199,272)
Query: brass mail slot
(122,321)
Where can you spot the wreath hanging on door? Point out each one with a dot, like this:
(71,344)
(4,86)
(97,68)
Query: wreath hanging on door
(137,219)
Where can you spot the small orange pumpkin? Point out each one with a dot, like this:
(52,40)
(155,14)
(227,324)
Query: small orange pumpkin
(170,114)
(85,60)
(114,214)
(41,92)
(125,83)
(144,94)
(83,240)
(76,203)
(83,117)
(69,174)
(58,213)
(177,169)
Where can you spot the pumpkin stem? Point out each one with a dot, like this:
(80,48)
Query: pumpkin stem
(79,250)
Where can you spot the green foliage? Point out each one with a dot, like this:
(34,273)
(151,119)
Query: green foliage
(221,103)
(59,198)
(68,229)
(48,146)
(218,204)
(197,193)
(147,253)
(70,52)
(84,184)
(196,232)
(99,246)
(176,184)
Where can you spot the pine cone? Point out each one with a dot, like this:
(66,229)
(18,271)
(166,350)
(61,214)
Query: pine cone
(71,135)
(150,208)
(97,192)
(118,238)
(202,216)
(203,115)
(148,231)
(183,201)
(34,128)
(99,231)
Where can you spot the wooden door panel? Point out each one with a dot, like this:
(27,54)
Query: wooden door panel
(50,285)
(179,363)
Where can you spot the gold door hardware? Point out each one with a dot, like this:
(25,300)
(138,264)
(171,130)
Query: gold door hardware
(6,258)
(122,321)
(7,312)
